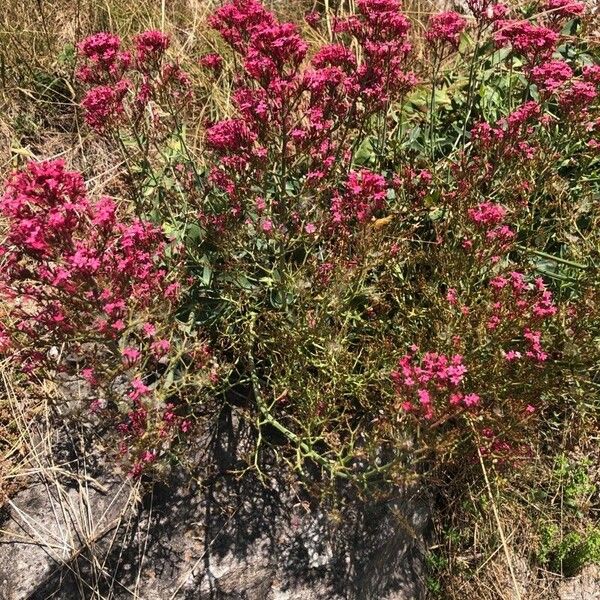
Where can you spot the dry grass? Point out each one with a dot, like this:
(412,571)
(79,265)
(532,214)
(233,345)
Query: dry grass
(38,116)
(490,531)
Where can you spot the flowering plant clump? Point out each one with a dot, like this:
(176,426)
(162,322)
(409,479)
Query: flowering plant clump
(124,84)
(88,294)
(395,251)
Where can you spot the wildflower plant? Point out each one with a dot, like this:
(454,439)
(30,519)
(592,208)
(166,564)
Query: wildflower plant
(388,255)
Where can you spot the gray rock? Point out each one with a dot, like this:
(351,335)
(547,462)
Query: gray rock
(586,586)
(221,536)
(52,524)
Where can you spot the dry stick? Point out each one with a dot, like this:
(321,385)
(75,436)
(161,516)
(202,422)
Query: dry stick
(498,523)
(484,563)
(144,549)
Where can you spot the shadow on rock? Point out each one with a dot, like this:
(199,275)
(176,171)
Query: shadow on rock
(226,535)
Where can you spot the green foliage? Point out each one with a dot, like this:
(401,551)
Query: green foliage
(568,553)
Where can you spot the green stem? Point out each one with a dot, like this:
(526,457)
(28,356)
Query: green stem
(557,259)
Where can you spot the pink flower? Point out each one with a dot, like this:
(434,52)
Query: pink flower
(579,95)
(105,62)
(535,347)
(591,73)
(471,400)
(424,396)
(445,27)
(103,105)
(534,42)
(365,194)
(487,213)
(212,61)
(266,225)
(565,9)
(455,399)
(100,47)
(104,212)
(138,390)
(89,375)
(131,355)
(149,329)
(551,75)
(312,19)
(496,11)
(310,228)
(150,46)
(149,456)
(161,347)
(230,134)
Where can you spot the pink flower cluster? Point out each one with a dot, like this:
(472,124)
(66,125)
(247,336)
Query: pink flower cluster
(382,32)
(509,138)
(150,47)
(270,49)
(578,97)
(140,421)
(234,141)
(534,42)
(487,214)
(489,218)
(432,383)
(522,304)
(574,95)
(71,263)
(103,105)
(364,195)
(550,76)
(280,96)
(445,27)
(564,9)
(212,61)
(114,76)
(105,61)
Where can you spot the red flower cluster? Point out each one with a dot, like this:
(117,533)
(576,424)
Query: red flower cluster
(283,101)
(550,76)
(104,106)
(150,47)
(115,77)
(365,194)
(508,137)
(432,383)
(105,62)
(534,42)
(564,9)
(578,96)
(445,27)
(71,264)
(516,299)
(212,61)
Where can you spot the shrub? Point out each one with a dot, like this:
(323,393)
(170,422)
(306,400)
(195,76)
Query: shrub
(391,255)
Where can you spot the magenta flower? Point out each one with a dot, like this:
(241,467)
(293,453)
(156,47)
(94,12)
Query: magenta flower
(150,46)
(445,27)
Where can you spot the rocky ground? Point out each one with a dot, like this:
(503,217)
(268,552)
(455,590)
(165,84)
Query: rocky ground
(79,532)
